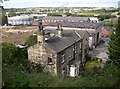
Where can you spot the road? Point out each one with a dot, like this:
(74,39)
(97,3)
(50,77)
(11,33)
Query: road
(100,51)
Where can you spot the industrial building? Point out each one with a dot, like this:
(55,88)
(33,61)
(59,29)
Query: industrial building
(20,20)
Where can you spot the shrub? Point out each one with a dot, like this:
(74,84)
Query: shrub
(32,40)
(88,57)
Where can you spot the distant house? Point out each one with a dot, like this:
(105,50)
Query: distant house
(94,29)
(106,31)
(37,19)
(60,52)
(94,19)
(36,22)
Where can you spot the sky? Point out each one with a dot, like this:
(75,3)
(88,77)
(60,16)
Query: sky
(59,3)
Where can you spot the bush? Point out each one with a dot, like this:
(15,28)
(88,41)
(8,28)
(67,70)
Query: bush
(16,67)
(8,53)
(32,40)
(88,58)
(54,14)
(34,68)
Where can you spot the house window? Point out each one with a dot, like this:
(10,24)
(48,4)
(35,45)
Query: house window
(70,55)
(63,58)
(75,49)
(39,57)
(63,72)
(86,39)
(80,46)
(50,61)
(68,70)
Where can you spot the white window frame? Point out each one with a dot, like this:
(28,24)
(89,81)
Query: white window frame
(70,55)
(63,58)
(75,49)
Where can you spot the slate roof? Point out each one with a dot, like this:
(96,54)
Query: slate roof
(82,32)
(54,31)
(91,33)
(65,18)
(76,24)
(58,44)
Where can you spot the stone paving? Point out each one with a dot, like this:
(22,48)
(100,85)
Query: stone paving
(100,51)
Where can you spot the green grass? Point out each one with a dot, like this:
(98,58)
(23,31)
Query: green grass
(20,73)
(13,78)
(91,65)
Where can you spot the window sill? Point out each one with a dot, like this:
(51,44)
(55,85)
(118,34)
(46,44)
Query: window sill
(62,62)
(50,64)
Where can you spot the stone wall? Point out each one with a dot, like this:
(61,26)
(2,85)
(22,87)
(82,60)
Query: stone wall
(69,55)
(39,54)
(85,46)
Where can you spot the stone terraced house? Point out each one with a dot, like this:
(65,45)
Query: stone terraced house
(61,52)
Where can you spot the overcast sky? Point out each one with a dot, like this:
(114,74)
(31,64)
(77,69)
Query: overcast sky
(59,3)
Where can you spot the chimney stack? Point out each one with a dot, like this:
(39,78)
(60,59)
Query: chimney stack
(40,35)
(59,30)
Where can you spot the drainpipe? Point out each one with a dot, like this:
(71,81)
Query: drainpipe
(74,50)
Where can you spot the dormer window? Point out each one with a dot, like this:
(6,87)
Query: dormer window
(50,62)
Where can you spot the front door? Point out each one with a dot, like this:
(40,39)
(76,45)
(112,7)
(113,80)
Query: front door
(74,71)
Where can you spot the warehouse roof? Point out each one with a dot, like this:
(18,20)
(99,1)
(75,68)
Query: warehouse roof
(22,17)
(65,18)
(76,24)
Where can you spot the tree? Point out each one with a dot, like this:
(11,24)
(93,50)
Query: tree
(104,16)
(12,54)
(3,18)
(8,53)
(114,45)
(67,13)
(54,14)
